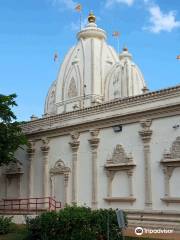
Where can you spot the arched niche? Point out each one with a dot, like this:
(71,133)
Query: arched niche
(170,162)
(13,173)
(119,163)
(59,177)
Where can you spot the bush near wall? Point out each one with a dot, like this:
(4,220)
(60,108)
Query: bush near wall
(74,223)
(5,224)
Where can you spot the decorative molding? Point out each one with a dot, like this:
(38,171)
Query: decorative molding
(168,200)
(119,162)
(72,91)
(14,169)
(31,149)
(146,132)
(119,156)
(59,168)
(45,145)
(170,161)
(120,199)
(50,123)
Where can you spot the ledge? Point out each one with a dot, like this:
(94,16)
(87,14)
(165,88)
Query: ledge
(120,199)
(169,162)
(120,166)
(171,199)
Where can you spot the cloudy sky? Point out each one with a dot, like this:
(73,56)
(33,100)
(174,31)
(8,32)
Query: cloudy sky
(32,31)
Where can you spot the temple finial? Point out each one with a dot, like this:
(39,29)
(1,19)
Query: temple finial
(91,17)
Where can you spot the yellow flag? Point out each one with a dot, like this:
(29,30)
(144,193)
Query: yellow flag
(78,8)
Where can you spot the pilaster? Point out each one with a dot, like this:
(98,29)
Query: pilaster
(94,143)
(146,134)
(31,154)
(74,146)
(45,151)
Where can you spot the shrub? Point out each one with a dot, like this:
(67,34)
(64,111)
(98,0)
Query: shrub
(5,224)
(74,223)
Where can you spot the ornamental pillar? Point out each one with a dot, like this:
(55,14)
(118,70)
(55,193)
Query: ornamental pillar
(94,142)
(30,153)
(74,146)
(130,183)
(146,134)
(66,179)
(110,175)
(45,150)
(167,175)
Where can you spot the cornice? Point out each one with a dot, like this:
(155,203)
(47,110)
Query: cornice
(59,121)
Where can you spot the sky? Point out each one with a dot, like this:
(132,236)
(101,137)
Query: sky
(31,31)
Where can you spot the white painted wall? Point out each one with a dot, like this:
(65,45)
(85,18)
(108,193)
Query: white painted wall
(162,139)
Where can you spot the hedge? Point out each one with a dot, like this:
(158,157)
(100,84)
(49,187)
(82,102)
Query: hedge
(74,223)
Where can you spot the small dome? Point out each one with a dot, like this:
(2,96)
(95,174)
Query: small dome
(125,79)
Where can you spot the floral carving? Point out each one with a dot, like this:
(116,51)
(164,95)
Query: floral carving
(119,155)
(72,91)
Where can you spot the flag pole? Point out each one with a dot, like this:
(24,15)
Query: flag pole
(118,43)
(80,20)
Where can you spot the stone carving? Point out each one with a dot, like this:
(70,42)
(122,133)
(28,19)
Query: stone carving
(31,147)
(175,149)
(59,168)
(45,145)
(170,161)
(72,91)
(119,156)
(14,168)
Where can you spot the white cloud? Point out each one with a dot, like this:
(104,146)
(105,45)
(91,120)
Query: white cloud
(109,3)
(161,21)
(69,4)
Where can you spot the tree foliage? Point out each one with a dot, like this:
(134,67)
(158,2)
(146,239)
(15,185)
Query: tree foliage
(11,135)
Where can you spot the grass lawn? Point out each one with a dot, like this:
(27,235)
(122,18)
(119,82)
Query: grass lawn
(18,233)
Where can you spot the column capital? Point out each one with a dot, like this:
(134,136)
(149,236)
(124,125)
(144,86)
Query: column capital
(94,143)
(145,135)
(146,132)
(110,174)
(45,146)
(31,149)
(75,145)
(94,132)
(168,171)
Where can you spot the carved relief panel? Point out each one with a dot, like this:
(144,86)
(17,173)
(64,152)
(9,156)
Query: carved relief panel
(119,162)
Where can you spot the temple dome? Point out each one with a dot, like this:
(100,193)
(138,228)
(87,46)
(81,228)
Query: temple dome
(125,78)
(92,72)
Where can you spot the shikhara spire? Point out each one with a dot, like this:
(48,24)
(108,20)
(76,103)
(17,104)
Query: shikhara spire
(96,65)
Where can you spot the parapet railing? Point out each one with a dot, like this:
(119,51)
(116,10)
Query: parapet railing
(29,205)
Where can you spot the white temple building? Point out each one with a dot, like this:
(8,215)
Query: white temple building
(104,140)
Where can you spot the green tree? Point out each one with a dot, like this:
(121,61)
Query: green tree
(11,135)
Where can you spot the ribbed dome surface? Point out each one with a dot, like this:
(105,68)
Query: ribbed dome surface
(92,73)
(125,79)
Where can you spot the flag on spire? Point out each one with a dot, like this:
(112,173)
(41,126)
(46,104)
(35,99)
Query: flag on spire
(55,56)
(78,8)
(116,34)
